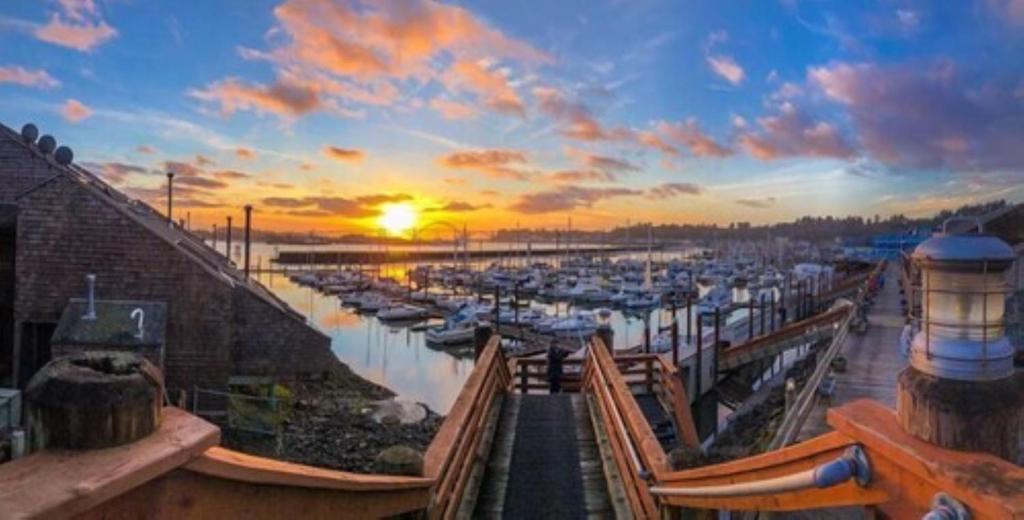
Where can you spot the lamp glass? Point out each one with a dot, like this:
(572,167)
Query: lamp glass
(962,305)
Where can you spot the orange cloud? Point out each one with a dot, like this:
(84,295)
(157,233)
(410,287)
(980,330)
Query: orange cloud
(78,26)
(577,120)
(492,86)
(727,68)
(343,154)
(245,153)
(452,110)
(285,97)
(688,133)
(37,78)
(361,51)
(497,164)
(74,111)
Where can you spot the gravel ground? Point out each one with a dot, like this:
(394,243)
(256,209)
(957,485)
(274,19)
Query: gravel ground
(328,427)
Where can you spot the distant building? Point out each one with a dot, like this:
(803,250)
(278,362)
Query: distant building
(894,245)
(59,223)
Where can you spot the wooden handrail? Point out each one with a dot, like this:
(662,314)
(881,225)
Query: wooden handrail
(451,455)
(790,330)
(906,473)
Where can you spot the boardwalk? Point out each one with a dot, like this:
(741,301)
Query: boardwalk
(874,360)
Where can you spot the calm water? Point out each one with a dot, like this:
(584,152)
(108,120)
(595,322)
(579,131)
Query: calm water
(398,357)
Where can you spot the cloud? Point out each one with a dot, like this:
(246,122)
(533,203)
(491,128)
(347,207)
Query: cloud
(383,198)
(78,26)
(326,206)
(497,163)
(285,97)
(722,64)
(457,206)
(245,153)
(37,78)
(145,149)
(928,117)
(792,132)
(490,85)
(573,176)
(117,172)
(75,111)
(688,134)
(360,51)
(653,140)
(203,161)
(757,203)
(182,169)
(232,175)
(200,182)
(452,110)
(610,164)
(1010,11)
(343,154)
(673,189)
(727,68)
(567,198)
(576,119)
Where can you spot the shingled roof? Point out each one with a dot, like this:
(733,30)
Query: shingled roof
(187,243)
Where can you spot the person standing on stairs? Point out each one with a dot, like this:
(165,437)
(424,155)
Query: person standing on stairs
(555,357)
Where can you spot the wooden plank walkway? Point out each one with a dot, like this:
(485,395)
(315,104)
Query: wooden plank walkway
(544,462)
(874,360)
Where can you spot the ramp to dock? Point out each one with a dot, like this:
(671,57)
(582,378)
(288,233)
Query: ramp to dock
(544,462)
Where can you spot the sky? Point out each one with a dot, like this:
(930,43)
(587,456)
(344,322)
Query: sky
(324,115)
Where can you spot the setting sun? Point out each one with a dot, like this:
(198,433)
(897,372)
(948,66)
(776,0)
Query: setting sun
(396,219)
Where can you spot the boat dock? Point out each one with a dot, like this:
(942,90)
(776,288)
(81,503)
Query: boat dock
(873,359)
(312,258)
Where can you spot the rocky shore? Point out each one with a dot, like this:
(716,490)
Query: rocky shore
(342,423)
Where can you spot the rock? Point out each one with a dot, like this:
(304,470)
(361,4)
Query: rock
(399,460)
(393,412)
(683,457)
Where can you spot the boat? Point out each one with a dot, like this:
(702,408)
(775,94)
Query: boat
(401,312)
(581,324)
(452,332)
(372,302)
(717,298)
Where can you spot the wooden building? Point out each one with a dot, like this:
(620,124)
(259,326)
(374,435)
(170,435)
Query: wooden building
(59,223)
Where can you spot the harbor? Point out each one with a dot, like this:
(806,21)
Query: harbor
(467,259)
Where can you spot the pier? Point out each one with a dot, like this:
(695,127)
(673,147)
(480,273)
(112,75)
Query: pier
(335,258)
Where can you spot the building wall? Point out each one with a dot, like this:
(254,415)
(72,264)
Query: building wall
(65,232)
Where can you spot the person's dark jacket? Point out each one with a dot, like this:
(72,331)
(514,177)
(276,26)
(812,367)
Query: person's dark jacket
(555,358)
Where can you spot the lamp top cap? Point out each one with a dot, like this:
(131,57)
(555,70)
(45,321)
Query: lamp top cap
(964,248)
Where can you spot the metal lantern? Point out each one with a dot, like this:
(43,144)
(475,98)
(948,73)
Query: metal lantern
(963,294)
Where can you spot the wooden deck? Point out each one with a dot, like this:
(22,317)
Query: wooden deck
(874,360)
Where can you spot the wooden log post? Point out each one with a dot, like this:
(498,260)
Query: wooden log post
(93,400)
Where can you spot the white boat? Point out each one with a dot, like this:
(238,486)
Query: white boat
(372,302)
(452,332)
(579,324)
(354,299)
(396,312)
(643,301)
(718,297)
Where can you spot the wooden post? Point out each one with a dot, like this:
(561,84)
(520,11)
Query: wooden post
(699,360)
(675,335)
(750,319)
(480,339)
(93,400)
(762,314)
(963,415)
(689,318)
